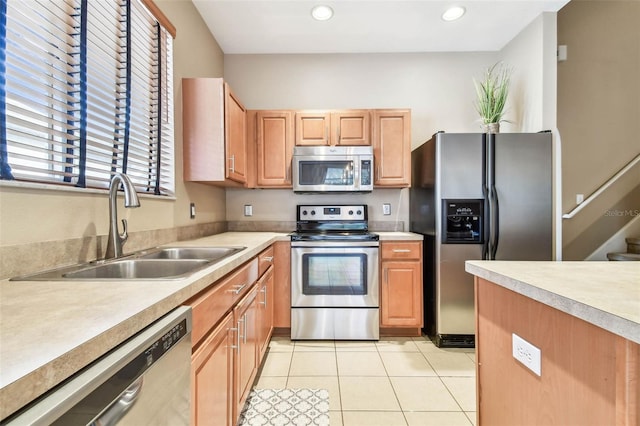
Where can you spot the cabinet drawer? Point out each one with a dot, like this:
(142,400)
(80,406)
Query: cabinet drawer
(209,307)
(265,259)
(401,250)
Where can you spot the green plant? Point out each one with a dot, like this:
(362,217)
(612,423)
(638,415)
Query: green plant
(492,92)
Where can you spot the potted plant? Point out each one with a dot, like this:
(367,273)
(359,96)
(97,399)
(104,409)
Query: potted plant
(492,91)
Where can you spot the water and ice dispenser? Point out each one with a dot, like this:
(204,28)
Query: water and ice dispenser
(462,221)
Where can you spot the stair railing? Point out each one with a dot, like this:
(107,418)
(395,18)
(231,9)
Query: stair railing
(603,188)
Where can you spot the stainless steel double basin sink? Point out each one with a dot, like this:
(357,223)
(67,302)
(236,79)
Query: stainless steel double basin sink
(161,263)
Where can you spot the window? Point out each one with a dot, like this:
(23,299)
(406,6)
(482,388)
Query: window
(86,90)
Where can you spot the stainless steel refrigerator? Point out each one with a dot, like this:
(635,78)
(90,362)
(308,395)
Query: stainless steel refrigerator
(477,196)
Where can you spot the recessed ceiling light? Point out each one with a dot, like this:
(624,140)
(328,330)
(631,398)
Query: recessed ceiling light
(453,13)
(321,12)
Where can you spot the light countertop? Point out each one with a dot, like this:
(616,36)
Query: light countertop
(51,329)
(605,294)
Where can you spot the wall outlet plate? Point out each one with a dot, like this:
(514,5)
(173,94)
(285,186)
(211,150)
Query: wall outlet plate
(192,210)
(386,209)
(529,355)
(248,210)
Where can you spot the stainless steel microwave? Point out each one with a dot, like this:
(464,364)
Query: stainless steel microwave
(332,168)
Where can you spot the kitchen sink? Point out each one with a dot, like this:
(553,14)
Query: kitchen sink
(137,269)
(158,263)
(208,253)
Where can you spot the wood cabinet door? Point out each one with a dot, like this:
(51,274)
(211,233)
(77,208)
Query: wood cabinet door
(392,147)
(265,310)
(282,284)
(212,378)
(274,139)
(235,118)
(350,128)
(246,321)
(313,128)
(401,294)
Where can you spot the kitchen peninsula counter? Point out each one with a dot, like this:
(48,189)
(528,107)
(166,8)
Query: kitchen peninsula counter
(51,329)
(583,317)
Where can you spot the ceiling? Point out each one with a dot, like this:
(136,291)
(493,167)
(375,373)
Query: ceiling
(364,26)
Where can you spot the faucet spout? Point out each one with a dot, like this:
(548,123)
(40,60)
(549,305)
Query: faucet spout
(117,240)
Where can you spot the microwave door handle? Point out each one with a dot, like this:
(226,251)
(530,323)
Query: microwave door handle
(356,174)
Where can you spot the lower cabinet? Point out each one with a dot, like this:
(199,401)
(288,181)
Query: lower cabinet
(232,326)
(401,284)
(212,367)
(245,316)
(265,310)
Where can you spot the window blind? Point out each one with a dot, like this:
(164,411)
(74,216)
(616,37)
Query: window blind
(86,91)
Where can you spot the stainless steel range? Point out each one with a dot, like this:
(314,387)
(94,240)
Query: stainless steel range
(334,274)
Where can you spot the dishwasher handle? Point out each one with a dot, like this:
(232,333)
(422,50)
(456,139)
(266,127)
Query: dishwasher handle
(119,408)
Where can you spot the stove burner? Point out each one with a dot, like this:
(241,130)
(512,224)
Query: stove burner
(334,236)
(332,223)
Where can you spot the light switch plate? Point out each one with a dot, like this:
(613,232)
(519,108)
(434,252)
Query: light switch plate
(529,355)
(386,209)
(248,210)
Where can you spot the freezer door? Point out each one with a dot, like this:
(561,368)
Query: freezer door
(459,165)
(455,296)
(523,183)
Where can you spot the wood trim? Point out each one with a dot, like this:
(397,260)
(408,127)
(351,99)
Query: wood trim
(400,332)
(627,382)
(160,16)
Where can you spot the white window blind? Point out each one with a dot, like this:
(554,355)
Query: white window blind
(86,92)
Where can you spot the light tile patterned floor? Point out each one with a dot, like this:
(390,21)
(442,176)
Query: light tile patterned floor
(396,381)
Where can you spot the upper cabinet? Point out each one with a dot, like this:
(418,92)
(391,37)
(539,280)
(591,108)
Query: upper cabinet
(274,145)
(351,127)
(392,147)
(214,133)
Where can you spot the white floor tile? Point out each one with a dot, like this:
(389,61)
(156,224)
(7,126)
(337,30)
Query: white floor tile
(271,382)
(373,418)
(396,344)
(356,346)
(313,364)
(360,364)
(423,394)
(281,344)
(436,418)
(315,346)
(406,364)
(451,364)
(335,418)
(276,364)
(367,393)
(463,390)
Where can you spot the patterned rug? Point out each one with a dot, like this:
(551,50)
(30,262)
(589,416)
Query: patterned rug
(280,407)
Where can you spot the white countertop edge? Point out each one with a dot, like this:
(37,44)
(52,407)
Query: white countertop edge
(606,320)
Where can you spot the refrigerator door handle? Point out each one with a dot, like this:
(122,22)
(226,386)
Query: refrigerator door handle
(495,223)
(486,225)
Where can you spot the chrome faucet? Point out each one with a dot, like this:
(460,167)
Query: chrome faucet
(117,240)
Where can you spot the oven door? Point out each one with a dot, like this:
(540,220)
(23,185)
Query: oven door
(334,274)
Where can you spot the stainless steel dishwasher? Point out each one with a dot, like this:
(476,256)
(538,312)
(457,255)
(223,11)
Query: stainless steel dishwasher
(144,381)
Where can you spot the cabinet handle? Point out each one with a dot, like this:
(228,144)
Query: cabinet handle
(232,160)
(268,258)
(239,288)
(241,320)
(244,335)
(401,251)
(237,331)
(264,291)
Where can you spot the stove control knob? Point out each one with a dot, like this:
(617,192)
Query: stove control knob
(350,212)
(359,212)
(304,212)
(313,212)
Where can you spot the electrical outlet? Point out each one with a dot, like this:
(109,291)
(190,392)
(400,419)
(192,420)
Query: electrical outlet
(529,355)
(192,210)
(579,198)
(248,210)
(386,209)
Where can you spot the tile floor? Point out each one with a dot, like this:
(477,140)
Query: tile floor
(396,381)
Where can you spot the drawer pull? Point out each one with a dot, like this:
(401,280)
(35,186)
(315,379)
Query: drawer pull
(268,258)
(239,288)
(401,251)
